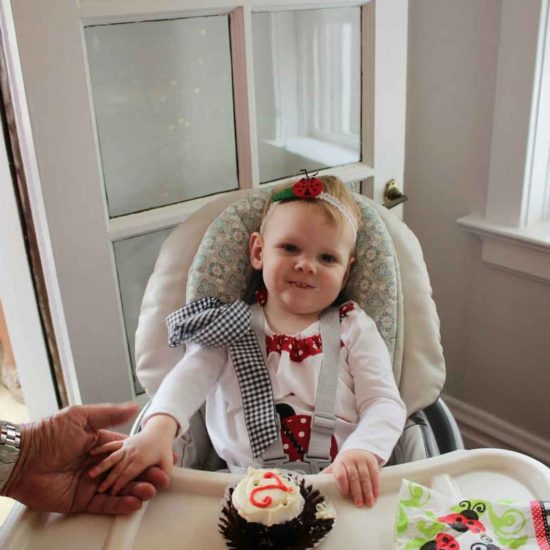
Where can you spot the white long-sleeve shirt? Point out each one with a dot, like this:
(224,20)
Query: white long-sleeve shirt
(369,412)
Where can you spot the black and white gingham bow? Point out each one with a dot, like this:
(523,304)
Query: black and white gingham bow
(211,323)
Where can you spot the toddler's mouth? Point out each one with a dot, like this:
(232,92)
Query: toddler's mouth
(299,284)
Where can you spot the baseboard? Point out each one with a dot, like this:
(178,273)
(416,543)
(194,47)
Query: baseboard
(486,430)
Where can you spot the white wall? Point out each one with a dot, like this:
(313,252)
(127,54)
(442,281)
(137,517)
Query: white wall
(495,324)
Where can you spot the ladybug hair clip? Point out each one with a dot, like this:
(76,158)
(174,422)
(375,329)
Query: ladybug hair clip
(310,188)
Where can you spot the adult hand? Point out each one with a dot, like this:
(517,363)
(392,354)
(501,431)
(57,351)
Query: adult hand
(50,473)
(129,458)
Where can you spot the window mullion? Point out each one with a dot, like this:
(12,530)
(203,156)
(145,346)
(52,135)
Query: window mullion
(367,83)
(243,97)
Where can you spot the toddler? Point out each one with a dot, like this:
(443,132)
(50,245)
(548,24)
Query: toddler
(304,250)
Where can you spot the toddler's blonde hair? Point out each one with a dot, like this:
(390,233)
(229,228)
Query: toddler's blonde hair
(333,186)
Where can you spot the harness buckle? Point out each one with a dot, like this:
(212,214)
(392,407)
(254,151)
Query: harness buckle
(317,464)
(323,423)
(309,465)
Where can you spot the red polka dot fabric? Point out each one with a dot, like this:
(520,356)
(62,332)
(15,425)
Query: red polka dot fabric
(540,524)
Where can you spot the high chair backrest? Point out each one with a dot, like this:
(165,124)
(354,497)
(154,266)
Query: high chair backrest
(208,255)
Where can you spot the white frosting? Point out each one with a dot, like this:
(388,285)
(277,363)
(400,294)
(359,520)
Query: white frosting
(284,505)
(324,510)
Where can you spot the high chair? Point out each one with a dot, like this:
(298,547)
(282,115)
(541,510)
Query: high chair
(390,281)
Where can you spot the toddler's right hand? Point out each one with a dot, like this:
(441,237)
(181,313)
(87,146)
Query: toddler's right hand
(129,457)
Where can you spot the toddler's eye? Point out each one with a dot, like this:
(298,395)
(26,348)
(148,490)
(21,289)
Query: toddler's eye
(328,258)
(287,247)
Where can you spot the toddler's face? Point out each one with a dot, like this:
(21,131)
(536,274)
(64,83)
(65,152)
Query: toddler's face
(305,259)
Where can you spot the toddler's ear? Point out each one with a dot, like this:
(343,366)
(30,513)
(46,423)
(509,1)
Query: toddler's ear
(256,250)
(346,274)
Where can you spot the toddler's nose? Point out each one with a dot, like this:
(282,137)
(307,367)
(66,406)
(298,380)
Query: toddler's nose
(305,265)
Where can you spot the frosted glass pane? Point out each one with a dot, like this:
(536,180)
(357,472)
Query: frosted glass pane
(135,259)
(163,101)
(307,77)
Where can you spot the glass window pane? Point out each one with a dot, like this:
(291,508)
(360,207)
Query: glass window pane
(307,78)
(163,100)
(135,259)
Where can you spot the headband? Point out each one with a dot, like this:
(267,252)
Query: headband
(308,189)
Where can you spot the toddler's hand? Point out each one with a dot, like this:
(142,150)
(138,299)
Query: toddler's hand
(128,458)
(357,474)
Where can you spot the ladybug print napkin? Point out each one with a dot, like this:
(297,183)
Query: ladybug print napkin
(428,520)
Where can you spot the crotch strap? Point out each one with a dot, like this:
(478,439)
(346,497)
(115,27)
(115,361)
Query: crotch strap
(324,420)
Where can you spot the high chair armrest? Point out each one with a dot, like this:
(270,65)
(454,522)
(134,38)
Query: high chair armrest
(444,426)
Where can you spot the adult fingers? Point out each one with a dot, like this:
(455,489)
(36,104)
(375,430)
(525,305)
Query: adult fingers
(116,474)
(156,476)
(107,447)
(139,489)
(107,504)
(130,472)
(103,416)
(167,464)
(108,462)
(366,484)
(106,436)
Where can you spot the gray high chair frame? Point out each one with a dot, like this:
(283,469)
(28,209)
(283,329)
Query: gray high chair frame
(431,428)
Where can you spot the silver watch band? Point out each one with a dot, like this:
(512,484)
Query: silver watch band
(10,442)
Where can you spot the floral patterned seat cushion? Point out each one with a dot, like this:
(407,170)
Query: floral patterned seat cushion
(222,268)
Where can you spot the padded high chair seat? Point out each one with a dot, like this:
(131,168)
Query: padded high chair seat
(207,255)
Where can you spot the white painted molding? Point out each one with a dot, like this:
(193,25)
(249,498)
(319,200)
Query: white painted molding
(488,430)
(513,109)
(513,235)
(156,219)
(524,250)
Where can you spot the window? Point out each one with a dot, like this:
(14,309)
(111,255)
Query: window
(307,66)
(515,227)
(165,115)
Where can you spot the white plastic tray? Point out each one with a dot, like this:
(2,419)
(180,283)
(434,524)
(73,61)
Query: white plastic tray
(186,515)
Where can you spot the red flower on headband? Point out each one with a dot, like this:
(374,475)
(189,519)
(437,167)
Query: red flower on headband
(307,188)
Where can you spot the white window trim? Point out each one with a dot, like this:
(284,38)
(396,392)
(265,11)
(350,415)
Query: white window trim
(513,229)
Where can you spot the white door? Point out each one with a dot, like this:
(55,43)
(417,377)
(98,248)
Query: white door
(136,112)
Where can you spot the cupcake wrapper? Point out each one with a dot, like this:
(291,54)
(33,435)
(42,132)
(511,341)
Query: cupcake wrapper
(303,532)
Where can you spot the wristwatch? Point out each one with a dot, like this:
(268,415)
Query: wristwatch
(10,443)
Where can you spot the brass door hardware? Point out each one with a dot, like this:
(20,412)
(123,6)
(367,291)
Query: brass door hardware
(393,195)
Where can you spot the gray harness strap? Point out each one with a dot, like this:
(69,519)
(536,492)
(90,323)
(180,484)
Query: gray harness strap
(210,323)
(324,420)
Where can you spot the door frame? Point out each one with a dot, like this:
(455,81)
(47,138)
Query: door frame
(17,291)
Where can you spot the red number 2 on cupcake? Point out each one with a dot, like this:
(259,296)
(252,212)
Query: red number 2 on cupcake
(267,500)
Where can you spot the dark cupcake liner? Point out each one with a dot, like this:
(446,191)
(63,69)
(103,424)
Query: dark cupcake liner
(303,532)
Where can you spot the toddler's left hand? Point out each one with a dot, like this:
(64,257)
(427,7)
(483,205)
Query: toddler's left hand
(357,474)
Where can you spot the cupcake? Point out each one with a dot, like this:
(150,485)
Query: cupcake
(273,509)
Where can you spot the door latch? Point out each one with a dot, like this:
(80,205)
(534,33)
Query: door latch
(393,195)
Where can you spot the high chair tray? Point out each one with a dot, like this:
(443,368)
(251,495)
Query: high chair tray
(186,515)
